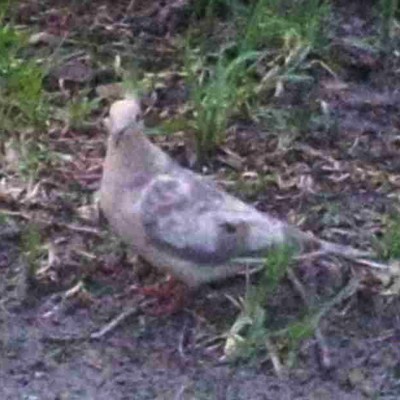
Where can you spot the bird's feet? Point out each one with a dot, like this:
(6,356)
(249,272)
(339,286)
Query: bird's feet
(172,296)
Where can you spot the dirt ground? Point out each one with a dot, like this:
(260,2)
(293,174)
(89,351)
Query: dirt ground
(337,181)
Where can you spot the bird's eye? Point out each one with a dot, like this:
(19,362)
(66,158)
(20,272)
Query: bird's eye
(229,228)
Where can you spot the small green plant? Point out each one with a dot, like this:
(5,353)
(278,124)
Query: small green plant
(243,73)
(23,105)
(34,155)
(78,111)
(32,248)
(294,333)
(272,22)
(289,124)
(256,332)
(22,102)
(213,99)
(250,330)
(388,11)
(251,188)
(215,8)
(216,93)
(389,245)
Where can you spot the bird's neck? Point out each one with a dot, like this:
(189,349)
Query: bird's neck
(134,152)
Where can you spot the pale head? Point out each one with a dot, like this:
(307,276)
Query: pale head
(123,114)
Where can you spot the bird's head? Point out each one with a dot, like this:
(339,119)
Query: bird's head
(124,118)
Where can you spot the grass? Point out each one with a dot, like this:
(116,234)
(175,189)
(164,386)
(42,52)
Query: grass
(32,249)
(34,156)
(288,125)
(216,93)
(79,111)
(22,103)
(272,44)
(250,189)
(274,22)
(216,8)
(388,9)
(389,245)
(256,333)
(248,334)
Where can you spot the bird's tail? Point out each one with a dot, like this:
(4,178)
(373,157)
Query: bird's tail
(309,243)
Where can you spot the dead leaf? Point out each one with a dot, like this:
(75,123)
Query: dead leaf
(89,212)
(334,85)
(12,155)
(74,71)
(393,286)
(44,38)
(250,175)
(10,193)
(230,158)
(306,183)
(286,184)
(110,91)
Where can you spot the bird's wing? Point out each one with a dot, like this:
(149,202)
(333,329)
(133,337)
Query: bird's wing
(192,219)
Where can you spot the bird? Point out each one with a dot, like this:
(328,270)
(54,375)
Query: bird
(179,221)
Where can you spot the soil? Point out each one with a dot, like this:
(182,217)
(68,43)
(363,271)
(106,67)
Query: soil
(338,180)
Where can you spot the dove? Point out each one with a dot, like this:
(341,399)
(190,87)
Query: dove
(181,222)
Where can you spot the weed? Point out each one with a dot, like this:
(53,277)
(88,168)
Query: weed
(3,220)
(215,8)
(388,11)
(294,333)
(34,155)
(272,22)
(242,73)
(250,189)
(216,92)
(213,100)
(249,332)
(389,246)
(23,106)
(290,124)
(21,96)
(32,249)
(78,111)
(252,332)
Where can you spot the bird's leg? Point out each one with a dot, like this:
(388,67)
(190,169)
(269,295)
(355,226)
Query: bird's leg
(172,296)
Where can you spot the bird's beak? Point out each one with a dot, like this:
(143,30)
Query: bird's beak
(107,124)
